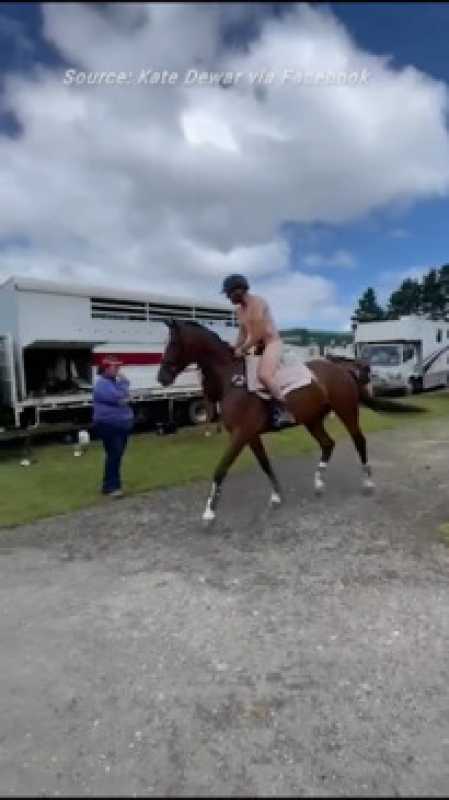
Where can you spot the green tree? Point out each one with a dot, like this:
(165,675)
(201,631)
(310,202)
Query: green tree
(368,309)
(405,300)
(433,299)
(443,275)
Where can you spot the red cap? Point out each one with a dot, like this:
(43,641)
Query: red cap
(111,361)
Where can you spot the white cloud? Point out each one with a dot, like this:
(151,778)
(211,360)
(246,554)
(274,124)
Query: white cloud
(173,186)
(341,258)
(293,297)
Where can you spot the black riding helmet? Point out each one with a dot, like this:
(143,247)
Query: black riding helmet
(233,282)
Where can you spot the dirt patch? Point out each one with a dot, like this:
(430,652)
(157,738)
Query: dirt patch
(297,652)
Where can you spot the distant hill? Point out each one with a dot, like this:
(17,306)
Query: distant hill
(306,336)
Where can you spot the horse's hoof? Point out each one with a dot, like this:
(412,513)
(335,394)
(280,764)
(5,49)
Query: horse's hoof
(208,518)
(275,500)
(368,486)
(319,487)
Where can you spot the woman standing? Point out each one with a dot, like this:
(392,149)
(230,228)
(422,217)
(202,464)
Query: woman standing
(113,420)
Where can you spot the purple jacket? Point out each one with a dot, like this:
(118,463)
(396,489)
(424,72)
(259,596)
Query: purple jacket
(107,408)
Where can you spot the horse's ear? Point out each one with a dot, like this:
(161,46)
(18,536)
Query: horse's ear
(171,323)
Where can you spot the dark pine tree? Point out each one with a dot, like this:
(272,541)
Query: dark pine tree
(433,301)
(368,309)
(405,300)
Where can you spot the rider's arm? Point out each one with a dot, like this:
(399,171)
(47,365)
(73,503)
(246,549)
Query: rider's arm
(241,337)
(242,331)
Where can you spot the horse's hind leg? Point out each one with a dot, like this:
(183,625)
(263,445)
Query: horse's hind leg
(351,422)
(327,445)
(260,453)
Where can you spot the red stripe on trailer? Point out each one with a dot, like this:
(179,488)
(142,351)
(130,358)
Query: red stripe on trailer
(130,359)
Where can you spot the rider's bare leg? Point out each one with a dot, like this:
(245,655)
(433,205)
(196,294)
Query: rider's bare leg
(269,364)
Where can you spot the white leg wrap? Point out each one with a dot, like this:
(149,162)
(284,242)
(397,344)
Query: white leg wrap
(367,482)
(209,513)
(319,484)
(275,499)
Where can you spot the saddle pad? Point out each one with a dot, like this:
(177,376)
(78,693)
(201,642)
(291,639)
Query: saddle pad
(292,374)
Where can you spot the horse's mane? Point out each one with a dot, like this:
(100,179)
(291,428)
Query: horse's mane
(212,335)
(211,387)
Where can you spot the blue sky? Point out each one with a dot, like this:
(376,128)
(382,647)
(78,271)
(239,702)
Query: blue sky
(332,257)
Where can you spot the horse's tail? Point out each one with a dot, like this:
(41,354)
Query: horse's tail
(386,406)
(360,373)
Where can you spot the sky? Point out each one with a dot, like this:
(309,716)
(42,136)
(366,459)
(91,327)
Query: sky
(312,188)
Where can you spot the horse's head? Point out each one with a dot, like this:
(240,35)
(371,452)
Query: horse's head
(191,343)
(176,357)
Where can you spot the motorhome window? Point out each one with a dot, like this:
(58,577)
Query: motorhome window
(409,352)
(382,355)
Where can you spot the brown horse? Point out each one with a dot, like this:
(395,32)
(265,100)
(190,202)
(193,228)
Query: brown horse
(338,386)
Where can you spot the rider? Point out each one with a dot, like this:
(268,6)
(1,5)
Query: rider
(256,327)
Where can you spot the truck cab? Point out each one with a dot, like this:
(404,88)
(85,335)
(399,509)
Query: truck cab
(395,365)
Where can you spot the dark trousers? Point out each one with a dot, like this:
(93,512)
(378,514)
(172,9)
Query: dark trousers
(114,442)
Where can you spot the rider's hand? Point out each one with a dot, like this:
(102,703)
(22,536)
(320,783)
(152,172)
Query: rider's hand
(238,352)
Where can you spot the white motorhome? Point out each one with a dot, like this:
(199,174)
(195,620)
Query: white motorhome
(53,334)
(408,354)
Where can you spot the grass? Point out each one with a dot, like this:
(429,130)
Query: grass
(57,482)
(443,532)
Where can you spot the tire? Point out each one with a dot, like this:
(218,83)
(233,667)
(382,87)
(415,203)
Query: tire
(197,412)
(416,385)
(142,416)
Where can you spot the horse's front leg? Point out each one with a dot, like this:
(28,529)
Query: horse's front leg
(237,443)
(260,453)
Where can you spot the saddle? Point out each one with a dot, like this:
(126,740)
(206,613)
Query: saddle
(292,374)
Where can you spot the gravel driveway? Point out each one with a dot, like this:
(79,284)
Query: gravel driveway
(297,652)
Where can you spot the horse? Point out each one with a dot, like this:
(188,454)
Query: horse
(338,385)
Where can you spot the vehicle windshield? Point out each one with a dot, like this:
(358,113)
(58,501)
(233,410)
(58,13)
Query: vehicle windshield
(382,355)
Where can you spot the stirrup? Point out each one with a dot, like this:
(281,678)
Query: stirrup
(281,416)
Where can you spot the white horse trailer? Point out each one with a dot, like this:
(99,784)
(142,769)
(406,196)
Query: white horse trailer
(304,352)
(343,350)
(408,354)
(52,336)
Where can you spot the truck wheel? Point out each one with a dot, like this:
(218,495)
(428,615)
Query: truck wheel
(416,385)
(141,416)
(197,412)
